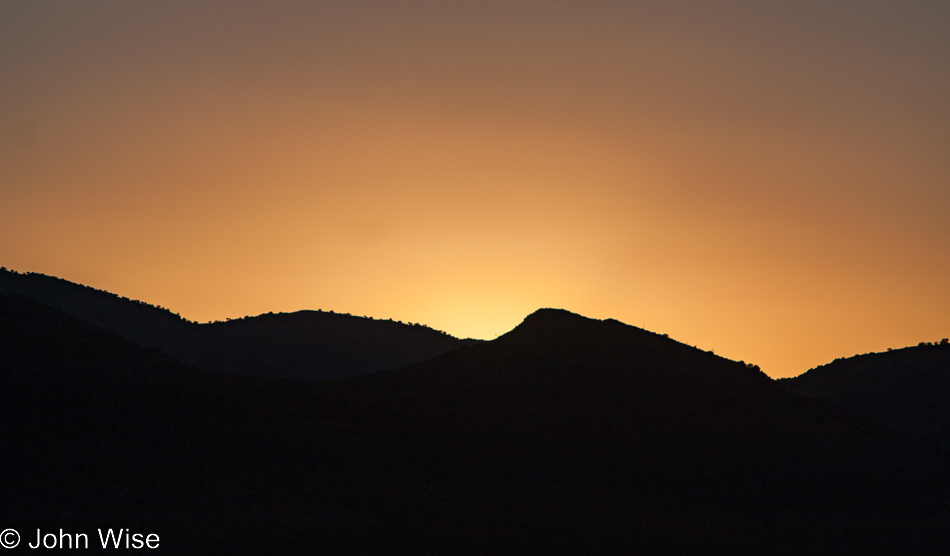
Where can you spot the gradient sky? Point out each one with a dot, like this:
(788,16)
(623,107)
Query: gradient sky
(767,180)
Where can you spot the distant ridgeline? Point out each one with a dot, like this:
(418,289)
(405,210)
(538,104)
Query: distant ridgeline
(301,345)
(905,389)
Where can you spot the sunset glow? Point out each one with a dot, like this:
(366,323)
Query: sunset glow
(770,181)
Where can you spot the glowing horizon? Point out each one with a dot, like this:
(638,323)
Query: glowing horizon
(764,180)
(486,329)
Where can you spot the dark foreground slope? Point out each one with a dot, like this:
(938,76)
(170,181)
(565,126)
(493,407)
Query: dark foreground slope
(905,389)
(98,433)
(574,433)
(301,345)
(565,435)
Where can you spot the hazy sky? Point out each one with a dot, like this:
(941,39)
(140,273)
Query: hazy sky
(767,180)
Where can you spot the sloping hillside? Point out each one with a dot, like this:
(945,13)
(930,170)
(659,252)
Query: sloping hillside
(905,389)
(569,429)
(97,432)
(301,345)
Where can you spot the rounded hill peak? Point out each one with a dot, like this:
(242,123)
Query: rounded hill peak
(549,320)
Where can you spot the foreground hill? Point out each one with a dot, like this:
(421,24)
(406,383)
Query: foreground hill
(98,432)
(565,435)
(571,429)
(302,345)
(905,389)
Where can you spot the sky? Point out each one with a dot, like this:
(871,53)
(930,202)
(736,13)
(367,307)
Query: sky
(767,180)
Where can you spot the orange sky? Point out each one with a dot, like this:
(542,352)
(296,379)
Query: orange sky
(767,180)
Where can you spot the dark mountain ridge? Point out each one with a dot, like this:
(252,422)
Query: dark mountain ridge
(566,434)
(301,345)
(905,389)
(98,432)
(617,433)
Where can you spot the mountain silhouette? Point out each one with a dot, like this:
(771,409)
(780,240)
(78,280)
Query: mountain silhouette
(566,434)
(301,345)
(906,389)
(615,432)
(99,432)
